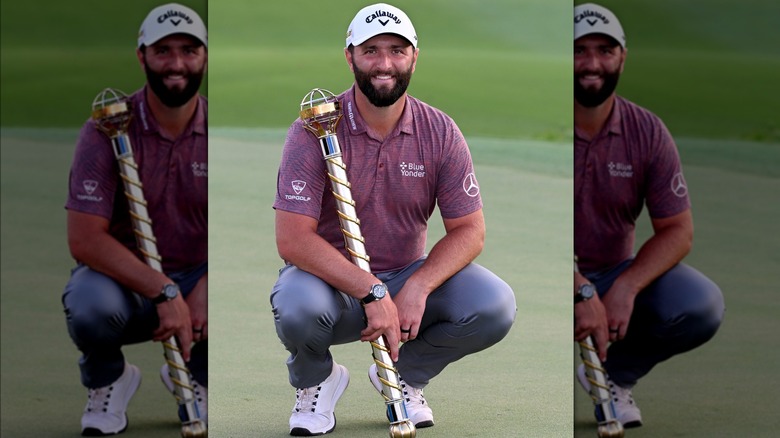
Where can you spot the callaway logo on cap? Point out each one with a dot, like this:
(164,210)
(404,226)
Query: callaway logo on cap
(171,19)
(378,19)
(592,18)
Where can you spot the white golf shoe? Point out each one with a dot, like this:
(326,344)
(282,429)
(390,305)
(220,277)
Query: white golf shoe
(626,410)
(106,410)
(313,413)
(416,407)
(201,395)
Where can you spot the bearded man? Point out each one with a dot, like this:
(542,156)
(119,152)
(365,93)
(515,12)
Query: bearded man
(403,158)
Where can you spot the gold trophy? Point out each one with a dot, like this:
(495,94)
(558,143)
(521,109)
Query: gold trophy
(112,113)
(608,424)
(321,113)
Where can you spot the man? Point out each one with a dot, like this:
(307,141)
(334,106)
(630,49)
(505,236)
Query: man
(649,305)
(113,298)
(403,158)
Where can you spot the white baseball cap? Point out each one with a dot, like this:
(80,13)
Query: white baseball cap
(592,18)
(170,19)
(378,19)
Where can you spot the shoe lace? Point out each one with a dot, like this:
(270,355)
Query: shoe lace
(412,394)
(98,398)
(306,399)
(620,394)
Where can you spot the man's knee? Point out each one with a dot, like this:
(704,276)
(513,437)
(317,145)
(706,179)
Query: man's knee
(96,310)
(693,308)
(501,315)
(490,314)
(302,314)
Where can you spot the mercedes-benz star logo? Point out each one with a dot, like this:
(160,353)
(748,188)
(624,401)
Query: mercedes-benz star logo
(679,188)
(470,185)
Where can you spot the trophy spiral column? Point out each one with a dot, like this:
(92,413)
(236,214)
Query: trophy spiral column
(608,424)
(321,113)
(112,113)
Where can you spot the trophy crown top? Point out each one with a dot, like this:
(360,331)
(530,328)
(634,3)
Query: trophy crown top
(320,112)
(317,97)
(111,111)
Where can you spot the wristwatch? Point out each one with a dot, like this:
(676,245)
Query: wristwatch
(584,292)
(377,292)
(169,292)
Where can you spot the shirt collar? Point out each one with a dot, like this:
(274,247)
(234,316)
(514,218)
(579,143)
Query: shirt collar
(149,123)
(613,123)
(357,124)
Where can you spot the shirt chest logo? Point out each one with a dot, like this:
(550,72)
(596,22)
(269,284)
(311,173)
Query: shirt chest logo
(620,170)
(200,169)
(412,170)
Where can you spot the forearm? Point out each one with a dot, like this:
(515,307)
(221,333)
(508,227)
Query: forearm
(107,255)
(661,252)
(311,253)
(103,253)
(459,247)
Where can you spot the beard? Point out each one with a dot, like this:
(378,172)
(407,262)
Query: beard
(173,97)
(382,97)
(592,97)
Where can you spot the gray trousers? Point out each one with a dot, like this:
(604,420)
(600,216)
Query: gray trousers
(679,311)
(471,311)
(102,316)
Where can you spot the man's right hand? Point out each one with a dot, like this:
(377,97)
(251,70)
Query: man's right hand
(175,320)
(382,319)
(590,319)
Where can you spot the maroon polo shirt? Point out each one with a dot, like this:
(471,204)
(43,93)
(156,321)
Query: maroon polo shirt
(174,174)
(396,182)
(631,163)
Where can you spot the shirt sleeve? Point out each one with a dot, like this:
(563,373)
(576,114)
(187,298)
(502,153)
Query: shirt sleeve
(94,174)
(667,192)
(301,178)
(457,192)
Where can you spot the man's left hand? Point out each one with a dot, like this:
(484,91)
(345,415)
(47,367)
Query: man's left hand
(198,302)
(410,302)
(619,304)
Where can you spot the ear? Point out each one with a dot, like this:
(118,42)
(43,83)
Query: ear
(348,57)
(623,59)
(140,56)
(414,59)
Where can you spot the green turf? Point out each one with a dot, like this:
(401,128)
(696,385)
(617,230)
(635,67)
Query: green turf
(520,387)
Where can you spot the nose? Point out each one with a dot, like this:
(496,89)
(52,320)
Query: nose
(176,61)
(384,61)
(588,61)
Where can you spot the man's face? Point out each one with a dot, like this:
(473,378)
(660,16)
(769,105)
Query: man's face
(598,63)
(383,67)
(174,68)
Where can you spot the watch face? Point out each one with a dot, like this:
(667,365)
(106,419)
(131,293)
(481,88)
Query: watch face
(587,290)
(170,291)
(379,290)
